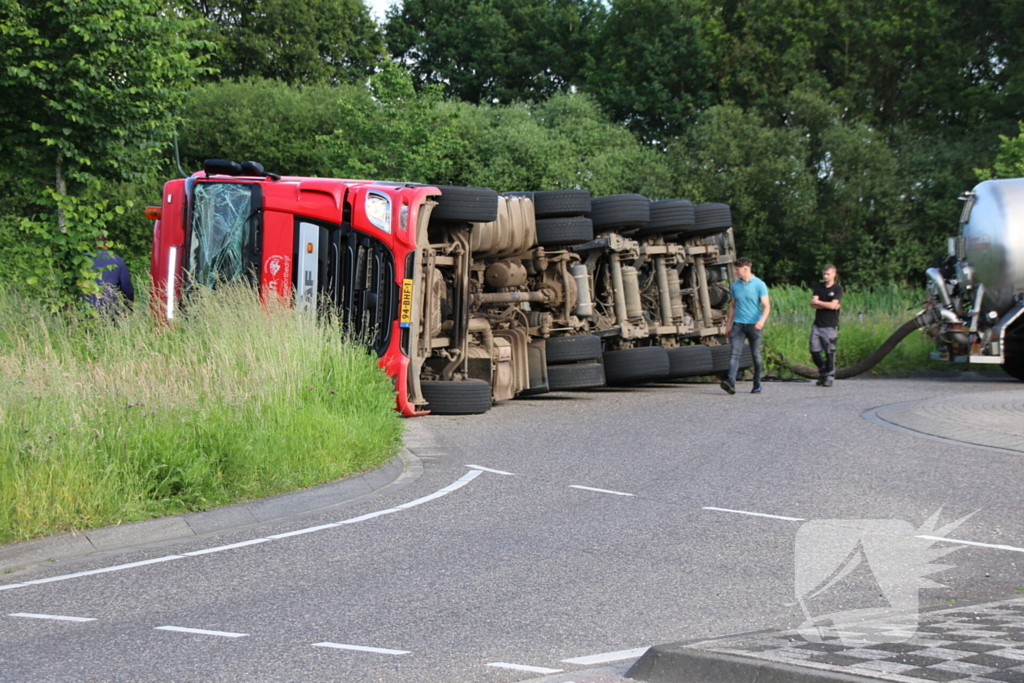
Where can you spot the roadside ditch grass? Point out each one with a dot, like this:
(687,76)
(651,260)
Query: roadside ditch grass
(867,318)
(123,420)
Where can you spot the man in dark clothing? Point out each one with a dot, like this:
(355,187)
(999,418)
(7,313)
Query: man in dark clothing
(825,330)
(115,282)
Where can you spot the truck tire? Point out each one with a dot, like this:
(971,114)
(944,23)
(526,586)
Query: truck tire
(561,350)
(668,216)
(620,211)
(635,366)
(689,361)
(561,203)
(466,204)
(577,376)
(720,358)
(709,219)
(463,397)
(557,232)
(721,355)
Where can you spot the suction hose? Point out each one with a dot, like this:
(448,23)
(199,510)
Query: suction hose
(919,321)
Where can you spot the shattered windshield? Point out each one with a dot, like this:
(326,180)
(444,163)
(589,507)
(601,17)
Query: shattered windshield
(220,231)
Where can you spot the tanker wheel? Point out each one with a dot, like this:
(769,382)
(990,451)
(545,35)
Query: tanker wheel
(561,350)
(577,376)
(635,366)
(689,361)
(463,397)
(1014,368)
(465,204)
(557,232)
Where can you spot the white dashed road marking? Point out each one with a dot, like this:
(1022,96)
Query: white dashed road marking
(756,514)
(202,632)
(362,648)
(523,667)
(589,488)
(55,617)
(607,657)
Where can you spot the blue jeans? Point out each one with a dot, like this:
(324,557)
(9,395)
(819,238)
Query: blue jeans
(741,331)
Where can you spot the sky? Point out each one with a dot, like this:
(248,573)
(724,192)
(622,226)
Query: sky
(378,8)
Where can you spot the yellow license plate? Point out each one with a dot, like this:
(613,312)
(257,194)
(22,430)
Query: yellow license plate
(405,318)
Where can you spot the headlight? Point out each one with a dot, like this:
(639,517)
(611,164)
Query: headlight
(378,210)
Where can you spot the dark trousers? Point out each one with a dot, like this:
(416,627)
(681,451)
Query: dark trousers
(823,350)
(741,331)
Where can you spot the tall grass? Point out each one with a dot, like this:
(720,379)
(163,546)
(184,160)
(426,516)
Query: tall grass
(123,420)
(867,318)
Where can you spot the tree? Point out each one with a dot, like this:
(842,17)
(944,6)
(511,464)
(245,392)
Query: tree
(493,50)
(398,134)
(650,68)
(1009,163)
(268,121)
(90,90)
(296,41)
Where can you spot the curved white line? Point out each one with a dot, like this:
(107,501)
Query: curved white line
(454,486)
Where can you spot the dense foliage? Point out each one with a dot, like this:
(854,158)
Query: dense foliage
(837,131)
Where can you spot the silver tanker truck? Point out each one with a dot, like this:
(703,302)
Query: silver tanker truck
(975,309)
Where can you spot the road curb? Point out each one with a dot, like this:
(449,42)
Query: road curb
(682,663)
(401,470)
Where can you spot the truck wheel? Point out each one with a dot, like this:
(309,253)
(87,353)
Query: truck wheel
(689,361)
(668,216)
(556,232)
(709,219)
(581,376)
(634,366)
(466,204)
(620,211)
(463,397)
(561,350)
(559,203)
(720,356)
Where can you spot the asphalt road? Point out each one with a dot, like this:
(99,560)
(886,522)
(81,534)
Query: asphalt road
(525,568)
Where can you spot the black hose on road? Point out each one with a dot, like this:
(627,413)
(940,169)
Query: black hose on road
(871,361)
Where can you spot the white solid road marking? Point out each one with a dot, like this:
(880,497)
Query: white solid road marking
(755,514)
(607,657)
(55,617)
(465,479)
(488,469)
(589,488)
(980,545)
(130,565)
(226,547)
(523,667)
(202,632)
(362,648)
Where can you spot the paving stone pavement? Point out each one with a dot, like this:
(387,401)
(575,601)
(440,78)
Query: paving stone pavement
(979,644)
(994,419)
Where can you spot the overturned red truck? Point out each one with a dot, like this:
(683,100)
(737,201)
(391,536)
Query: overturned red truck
(467,296)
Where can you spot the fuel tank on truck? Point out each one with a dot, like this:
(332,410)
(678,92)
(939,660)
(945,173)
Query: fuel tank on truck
(993,240)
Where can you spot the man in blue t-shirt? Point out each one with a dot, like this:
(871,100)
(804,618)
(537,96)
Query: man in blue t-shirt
(114,280)
(747,315)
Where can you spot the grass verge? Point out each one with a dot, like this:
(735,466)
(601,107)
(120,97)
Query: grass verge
(866,320)
(125,420)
